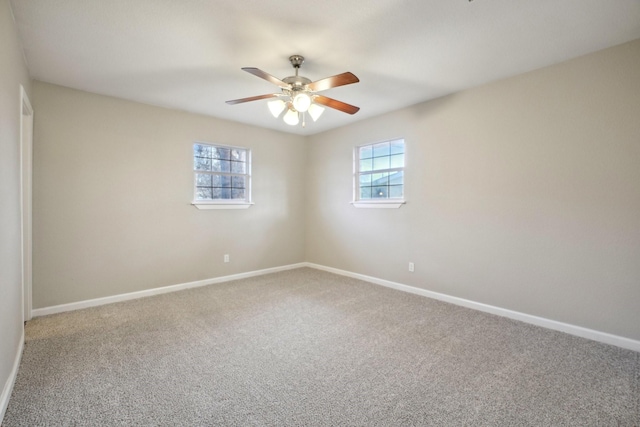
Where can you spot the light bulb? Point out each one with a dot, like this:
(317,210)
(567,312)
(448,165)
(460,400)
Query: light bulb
(301,102)
(276,107)
(315,111)
(291,117)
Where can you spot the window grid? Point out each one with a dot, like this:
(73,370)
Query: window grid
(379,170)
(222,173)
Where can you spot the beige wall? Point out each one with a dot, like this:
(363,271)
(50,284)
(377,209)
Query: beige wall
(523,194)
(13,73)
(113,184)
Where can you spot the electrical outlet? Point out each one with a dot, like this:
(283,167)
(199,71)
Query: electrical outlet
(226,257)
(411,267)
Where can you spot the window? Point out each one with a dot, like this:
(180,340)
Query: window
(222,176)
(379,174)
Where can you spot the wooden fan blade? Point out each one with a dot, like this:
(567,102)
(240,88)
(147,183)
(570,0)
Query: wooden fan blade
(334,81)
(264,75)
(251,98)
(335,104)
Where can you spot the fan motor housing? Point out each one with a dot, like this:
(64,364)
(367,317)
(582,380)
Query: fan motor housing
(296,82)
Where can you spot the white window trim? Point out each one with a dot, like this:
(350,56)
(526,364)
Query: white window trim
(372,203)
(391,204)
(216,205)
(225,203)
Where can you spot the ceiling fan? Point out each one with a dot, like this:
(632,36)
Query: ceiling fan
(298,95)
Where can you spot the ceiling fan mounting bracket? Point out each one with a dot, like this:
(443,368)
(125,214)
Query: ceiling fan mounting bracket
(296,60)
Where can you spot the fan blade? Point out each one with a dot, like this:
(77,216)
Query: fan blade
(263,75)
(335,104)
(252,98)
(334,81)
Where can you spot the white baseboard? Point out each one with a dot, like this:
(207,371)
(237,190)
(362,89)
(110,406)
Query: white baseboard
(156,291)
(8,385)
(527,318)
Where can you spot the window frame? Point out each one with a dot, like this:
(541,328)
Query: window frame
(387,203)
(223,203)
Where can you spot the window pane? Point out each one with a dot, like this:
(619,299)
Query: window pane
(237,181)
(239,155)
(380,163)
(396,178)
(396,191)
(225,193)
(366,165)
(237,167)
(237,193)
(365,179)
(223,153)
(381,149)
(225,181)
(202,163)
(380,192)
(204,193)
(221,166)
(397,147)
(366,152)
(365,192)
(380,178)
(203,180)
(200,150)
(397,161)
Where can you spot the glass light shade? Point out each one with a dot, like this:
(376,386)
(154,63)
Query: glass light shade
(291,117)
(315,111)
(301,102)
(276,107)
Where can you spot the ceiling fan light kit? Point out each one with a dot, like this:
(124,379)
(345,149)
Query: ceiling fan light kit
(291,117)
(298,94)
(276,107)
(301,102)
(315,111)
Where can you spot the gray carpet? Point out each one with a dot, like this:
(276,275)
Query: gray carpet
(309,348)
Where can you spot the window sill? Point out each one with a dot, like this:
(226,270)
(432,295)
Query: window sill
(391,204)
(218,205)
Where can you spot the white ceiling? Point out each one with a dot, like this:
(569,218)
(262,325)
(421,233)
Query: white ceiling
(187,54)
